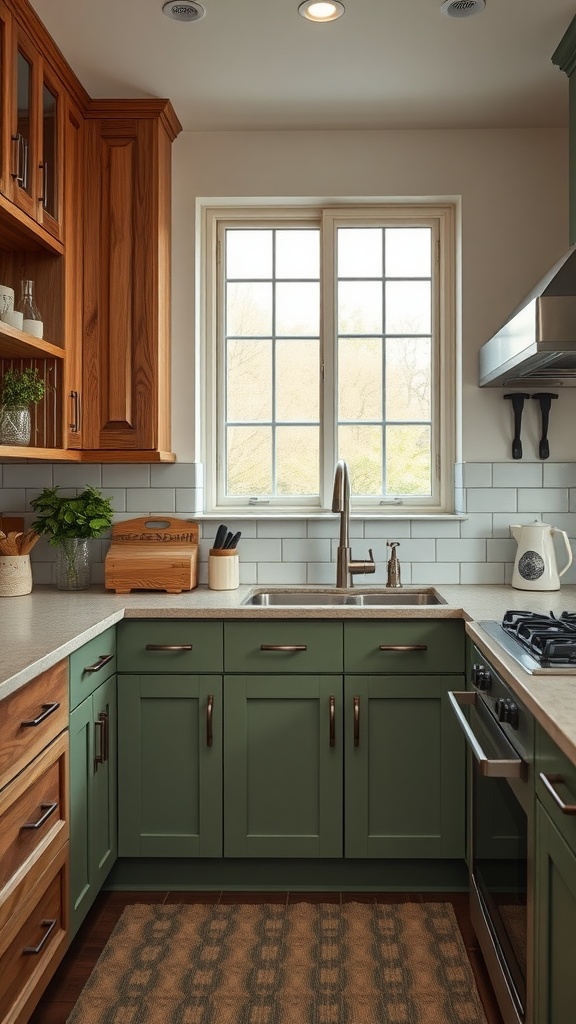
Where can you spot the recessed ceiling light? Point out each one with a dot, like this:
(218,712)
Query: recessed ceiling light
(321,10)
(184,10)
(462,8)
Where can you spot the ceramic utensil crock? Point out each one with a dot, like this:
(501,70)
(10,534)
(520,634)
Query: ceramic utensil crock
(535,566)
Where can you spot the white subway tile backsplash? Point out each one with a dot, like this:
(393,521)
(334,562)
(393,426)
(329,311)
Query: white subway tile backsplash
(435,528)
(150,501)
(186,500)
(281,528)
(476,572)
(261,550)
(330,527)
(304,550)
(12,499)
(477,524)
(417,550)
(501,550)
(488,499)
(27,475)
(387,529)
(122,474)
(559,474)
(565,521)
(77,476)
(430,573)
(477,474)
(543,499)
(286,572)
(502,523)
(176,474)
(515,474)
(461,550)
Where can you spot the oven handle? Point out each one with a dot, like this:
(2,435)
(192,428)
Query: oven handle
(505,768)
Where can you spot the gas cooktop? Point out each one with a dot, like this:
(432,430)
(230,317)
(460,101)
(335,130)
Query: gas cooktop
(541,644)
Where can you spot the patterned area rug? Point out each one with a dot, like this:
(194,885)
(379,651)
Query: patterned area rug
(306,963)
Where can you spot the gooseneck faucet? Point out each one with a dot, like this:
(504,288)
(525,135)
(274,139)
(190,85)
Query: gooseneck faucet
(346,567)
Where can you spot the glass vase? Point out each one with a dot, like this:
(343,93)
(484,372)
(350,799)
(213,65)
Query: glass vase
(31,315)
(15,425)
(73,564)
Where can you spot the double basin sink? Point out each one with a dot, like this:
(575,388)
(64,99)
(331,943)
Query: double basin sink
(382,598)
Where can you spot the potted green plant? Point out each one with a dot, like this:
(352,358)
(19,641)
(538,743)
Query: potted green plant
(71,523)
(19,390)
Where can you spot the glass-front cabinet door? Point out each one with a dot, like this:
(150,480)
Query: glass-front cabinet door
(5,91)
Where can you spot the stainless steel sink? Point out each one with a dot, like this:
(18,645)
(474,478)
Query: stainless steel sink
(344,598)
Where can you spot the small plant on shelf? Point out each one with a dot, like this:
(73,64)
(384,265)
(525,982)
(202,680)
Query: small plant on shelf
(18,391)
(70,523)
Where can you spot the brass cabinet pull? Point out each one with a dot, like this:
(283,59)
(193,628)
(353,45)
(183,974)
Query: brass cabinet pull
(332,721)
(43,197)
(356,721)
(403,647)
(35,950)
(209,711)
(74,426)
(105,718)
(168,647)
(284,647)
(554,780)
(48,810)
(101,724)
(103,659)
(47,709)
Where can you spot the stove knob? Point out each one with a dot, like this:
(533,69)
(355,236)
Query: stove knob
(500,709)
(511,714)
(481,677)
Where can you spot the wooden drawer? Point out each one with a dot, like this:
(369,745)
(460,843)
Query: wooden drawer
(560,774)
(32,947)
(31,718)
(283,646)
(33,823)
(399,646)
(91,665)
(169,645)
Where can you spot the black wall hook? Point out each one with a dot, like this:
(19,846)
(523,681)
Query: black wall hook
(517,399)
(545,399)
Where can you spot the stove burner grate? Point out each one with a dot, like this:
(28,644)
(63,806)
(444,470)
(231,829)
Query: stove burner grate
(550,639)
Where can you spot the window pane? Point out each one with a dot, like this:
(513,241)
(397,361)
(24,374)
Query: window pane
(249,361)
(359,252)
(298,309)
(297,460)
(249,460)
(408,307)
(359,307)
(297,381)
(408,463)
(248,253)
(249,309)
(408,252)
(359,379)
(361,447)
(298,254)
(408,378)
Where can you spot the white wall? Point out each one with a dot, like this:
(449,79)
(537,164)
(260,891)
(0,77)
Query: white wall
(514,199)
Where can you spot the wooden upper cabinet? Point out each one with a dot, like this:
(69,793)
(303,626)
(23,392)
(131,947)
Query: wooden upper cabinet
(126,335)
(36,135)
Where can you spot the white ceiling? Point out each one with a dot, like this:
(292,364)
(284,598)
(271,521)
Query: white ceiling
(255,64)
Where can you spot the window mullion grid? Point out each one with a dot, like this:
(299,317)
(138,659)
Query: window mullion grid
(273,425)
(383,355)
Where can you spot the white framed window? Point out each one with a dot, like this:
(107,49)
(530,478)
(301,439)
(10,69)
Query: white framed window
(329,333)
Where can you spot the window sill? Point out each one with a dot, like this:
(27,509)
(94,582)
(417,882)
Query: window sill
(260,514)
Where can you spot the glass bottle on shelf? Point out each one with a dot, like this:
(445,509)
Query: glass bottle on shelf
(31,316)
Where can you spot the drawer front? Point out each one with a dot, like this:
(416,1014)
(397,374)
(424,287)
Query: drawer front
(31,718)
(283,646)
(91,665)
(397,646)
(34,947)
(33,823)
(555,772)
(170,645)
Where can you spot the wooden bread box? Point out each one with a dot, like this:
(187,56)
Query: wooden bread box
(159,553)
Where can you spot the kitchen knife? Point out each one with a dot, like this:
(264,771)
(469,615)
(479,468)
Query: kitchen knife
(229,537)
(233,541)
(220,536)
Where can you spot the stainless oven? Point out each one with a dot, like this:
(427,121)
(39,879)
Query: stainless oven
(500,736)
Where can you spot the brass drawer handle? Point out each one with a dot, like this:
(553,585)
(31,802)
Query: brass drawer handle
(549,782)
(101,724)
(403,647)
(103,659)
(47,709)
(48,810)
(332,721)
(284,647)
(50,926)
(168,647)
(209,711)
(356,721)
(74,426)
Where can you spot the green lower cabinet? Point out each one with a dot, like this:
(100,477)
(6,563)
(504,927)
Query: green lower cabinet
(283,766)
(405,768)
(555,953)
(170,766)
(93,781)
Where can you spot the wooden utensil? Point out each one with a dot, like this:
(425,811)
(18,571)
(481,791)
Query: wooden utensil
(27,541)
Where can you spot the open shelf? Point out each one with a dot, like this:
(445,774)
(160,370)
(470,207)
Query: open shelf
(15,344)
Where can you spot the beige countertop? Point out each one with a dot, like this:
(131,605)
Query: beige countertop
(39,629)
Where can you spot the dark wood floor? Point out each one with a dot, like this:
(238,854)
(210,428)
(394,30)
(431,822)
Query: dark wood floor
(70,978)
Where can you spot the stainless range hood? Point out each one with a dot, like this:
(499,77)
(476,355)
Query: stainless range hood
(537,345)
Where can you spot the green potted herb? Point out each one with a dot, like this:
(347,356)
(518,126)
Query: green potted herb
(18,391)
(70,524)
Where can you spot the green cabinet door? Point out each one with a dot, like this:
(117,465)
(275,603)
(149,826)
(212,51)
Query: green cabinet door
(170,766)
(283,763)
(93,777)
(405,768)
(555,953)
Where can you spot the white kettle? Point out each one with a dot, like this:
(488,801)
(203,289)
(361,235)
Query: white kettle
(535,566)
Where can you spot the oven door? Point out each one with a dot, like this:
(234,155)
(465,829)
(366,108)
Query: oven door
(498,862)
